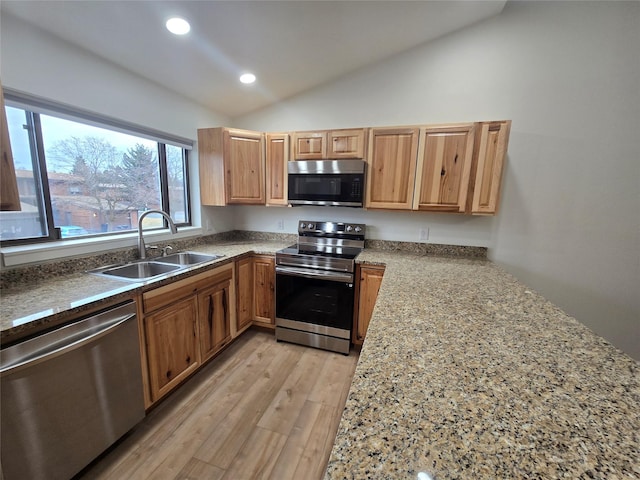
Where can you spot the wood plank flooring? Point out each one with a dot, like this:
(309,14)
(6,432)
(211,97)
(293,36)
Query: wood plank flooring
(261,409)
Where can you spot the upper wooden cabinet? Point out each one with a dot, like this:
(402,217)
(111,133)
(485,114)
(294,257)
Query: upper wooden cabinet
(444,166)
(309,145)
(231,166)
(347,143)
(277,156)
(329,144)
(453,168)
(391,167)
(9,196)
(490,150)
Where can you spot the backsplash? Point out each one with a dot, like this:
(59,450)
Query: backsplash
(32,273)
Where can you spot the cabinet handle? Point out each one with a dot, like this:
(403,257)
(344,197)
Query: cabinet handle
(210,313)
(224,303)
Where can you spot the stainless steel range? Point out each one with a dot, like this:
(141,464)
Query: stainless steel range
(315,285)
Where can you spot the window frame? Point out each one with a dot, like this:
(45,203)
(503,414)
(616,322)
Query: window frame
(35,106)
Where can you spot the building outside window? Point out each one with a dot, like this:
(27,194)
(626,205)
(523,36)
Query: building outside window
(77,179)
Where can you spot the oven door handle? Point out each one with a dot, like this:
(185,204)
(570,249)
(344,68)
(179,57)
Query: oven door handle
(319,274)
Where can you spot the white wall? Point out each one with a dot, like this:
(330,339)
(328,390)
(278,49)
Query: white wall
(568,75)
(38,63)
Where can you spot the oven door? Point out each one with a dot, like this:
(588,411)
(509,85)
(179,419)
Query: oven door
(316,301)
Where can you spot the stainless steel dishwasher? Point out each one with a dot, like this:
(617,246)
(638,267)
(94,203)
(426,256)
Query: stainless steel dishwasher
(69,394)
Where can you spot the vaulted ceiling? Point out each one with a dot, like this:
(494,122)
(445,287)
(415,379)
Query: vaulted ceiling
(291,46)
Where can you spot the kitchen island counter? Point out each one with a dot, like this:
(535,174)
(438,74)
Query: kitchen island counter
(467,373)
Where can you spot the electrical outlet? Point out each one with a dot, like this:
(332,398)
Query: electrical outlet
(209,228)
(423,234)
(280,224)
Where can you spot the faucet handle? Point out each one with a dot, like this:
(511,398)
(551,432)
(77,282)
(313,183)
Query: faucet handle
(166,249)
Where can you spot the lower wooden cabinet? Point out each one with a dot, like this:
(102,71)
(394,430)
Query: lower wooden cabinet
(368,280)
(185,323)
(214,318)
(172,345)
(244,293)
(264,277)
(256,291)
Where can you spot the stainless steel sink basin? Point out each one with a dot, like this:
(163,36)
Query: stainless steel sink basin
(137,271)
(187,258)
(148,269)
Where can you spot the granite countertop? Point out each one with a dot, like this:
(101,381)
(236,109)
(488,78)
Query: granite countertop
(466,373)
(46,302)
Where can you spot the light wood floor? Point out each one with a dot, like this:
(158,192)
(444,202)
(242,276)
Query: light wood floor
(261,409)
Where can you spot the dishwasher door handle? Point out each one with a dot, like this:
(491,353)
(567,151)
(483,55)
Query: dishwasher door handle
(63,347)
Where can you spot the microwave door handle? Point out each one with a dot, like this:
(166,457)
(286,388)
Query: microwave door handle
(320,274)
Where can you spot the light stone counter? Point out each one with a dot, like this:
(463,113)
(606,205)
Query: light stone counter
(48,300)
(466,373)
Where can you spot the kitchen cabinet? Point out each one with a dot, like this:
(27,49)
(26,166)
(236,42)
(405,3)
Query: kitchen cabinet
(443,168)
(276,157)
(310,145)
(264,276)
(256,291)
(214,316)
(244,288)
(369,279)
(9,195)
(232,167)
(330,144)
(347,143)
(185,323)
(490,149)
(392,167)
(172,346)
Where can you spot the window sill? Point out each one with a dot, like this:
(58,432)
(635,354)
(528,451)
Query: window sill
(43,252)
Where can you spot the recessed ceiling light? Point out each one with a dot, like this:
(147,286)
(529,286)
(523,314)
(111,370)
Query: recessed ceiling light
(247,78)
(178,26)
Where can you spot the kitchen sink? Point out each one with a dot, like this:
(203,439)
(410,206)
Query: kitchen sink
(147,269)
(187,258)
(137,271)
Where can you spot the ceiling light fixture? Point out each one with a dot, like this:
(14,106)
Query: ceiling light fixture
(178,26)
(247,78)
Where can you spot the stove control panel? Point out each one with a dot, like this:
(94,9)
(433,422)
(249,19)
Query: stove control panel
(330,228)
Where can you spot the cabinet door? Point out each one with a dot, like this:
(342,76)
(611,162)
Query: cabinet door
(9,196)
(492,139)
(277,156)
(172,347)
(264,272)
(392,167)
(346,143)
(214,319)
(211,166)
(369,281)
(310,145)
(444,166)
(244,293)
(244,167)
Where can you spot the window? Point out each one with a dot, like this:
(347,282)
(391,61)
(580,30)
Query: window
(77,179)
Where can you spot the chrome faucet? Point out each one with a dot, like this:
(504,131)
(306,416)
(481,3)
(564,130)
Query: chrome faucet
(141,247)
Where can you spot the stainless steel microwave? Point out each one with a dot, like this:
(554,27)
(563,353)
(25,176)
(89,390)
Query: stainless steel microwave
(338,183)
